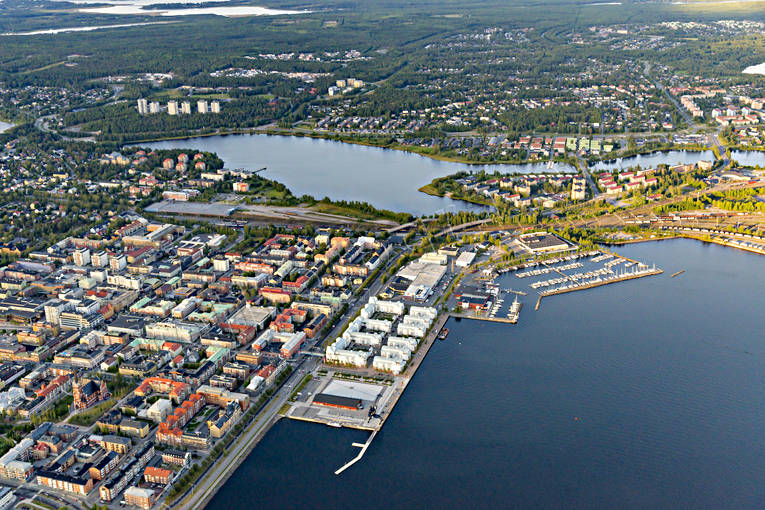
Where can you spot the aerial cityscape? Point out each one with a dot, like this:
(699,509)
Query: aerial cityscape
(343,254)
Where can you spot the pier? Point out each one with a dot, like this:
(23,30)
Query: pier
(598,284)
(360,455)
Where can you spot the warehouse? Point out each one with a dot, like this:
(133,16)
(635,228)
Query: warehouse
(542,242)
(465,259)
(338,401)
(422,278)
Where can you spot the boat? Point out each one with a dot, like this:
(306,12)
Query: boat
(443,334)
(515,311)
(334,424)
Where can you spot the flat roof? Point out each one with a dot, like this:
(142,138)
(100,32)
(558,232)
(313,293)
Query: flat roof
(251,315)
(542,241)
(334,400)
(353,390)
(419,273)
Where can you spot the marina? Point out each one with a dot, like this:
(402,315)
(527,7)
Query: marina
(515,311)
(639,273)
(573,272)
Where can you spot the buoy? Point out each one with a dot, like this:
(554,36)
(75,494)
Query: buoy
(576,418)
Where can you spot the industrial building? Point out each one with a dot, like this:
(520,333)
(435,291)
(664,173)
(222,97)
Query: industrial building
(543,242)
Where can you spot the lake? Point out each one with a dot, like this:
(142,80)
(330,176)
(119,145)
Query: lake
(643,394)
(654,159)
(388,179)
(749,158)
(53,31)
(135,7)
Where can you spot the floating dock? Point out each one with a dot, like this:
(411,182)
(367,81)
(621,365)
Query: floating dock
(678,273)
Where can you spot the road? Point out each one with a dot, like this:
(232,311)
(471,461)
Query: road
(692,125)
(456,228)
(588,177)
(410,224)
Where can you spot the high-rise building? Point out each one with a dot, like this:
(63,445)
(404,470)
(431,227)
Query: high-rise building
(99,259)
(186,108)
(143,106)
(172,107)
(81,256)
(118,262)
(202,106)
(215,107)
(154,107)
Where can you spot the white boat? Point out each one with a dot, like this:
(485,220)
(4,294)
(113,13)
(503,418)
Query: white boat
(515,311)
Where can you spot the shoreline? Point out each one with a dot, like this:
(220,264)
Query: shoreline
(411,370)
(436,157)
(319,136)
(718,242)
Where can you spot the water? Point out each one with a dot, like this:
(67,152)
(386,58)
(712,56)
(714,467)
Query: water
(140,7)
(654,159)
(664,375)
(388,179)
(749,158)
(755,69)
(228,11)
(52,31)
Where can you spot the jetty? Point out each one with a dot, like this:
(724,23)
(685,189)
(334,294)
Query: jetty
(598,283)
(358,457)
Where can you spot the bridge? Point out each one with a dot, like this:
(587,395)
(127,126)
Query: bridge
(456,228)
(410,224)
(317,354)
